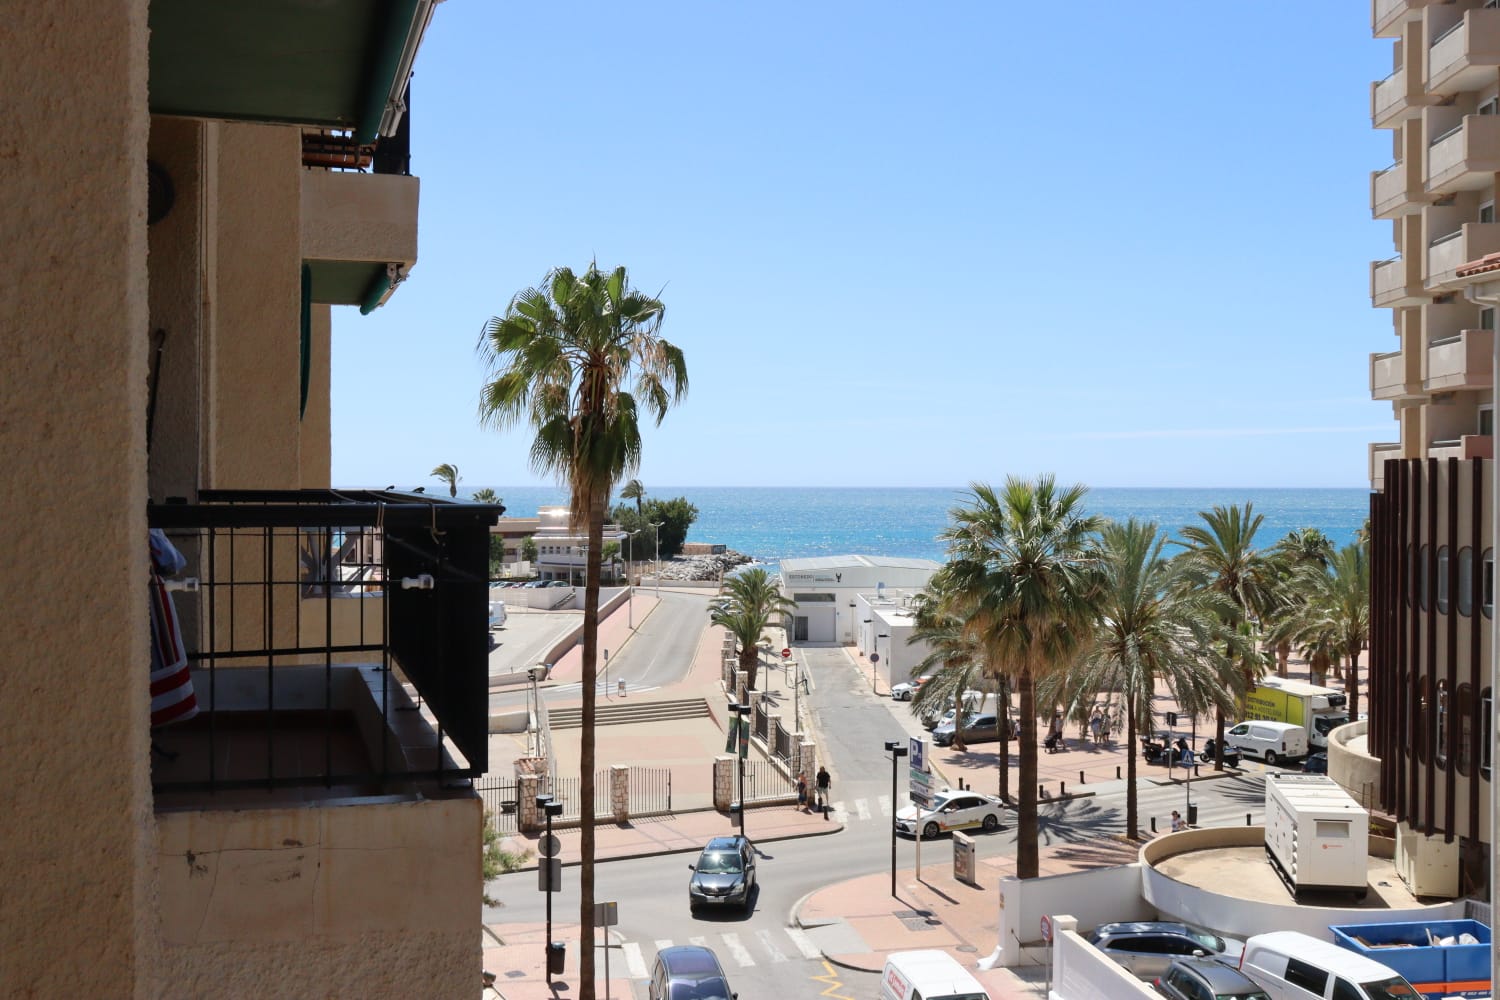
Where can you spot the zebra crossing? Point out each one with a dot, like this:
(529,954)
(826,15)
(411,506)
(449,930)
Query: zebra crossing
(737,949)
(575,688)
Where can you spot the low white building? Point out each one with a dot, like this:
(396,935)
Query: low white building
(826,589)
(562,553)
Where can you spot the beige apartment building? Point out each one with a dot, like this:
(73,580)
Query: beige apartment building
(187,190)
(1428,756)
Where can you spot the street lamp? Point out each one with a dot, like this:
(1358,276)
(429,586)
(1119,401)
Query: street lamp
(550,808)
(740,750)
(897,751)
(656,536)
(876,659)
(630,577)
(534,674)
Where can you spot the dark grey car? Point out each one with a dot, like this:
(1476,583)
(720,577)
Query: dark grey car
(979,729)
(688,972)
(1147,947)
(724,874)
(1205,979)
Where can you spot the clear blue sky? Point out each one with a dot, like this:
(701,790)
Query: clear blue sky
(905,244)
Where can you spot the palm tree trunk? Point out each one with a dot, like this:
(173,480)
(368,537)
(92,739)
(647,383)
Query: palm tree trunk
(586,761)
(1132,807)
(1004,754)
(749,663)
(1351,684)
(1283,657)
(1028,861)
(1219,739)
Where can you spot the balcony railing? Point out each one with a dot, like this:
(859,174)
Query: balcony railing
(1393,375)
(1392,283)
(1387,16)
(1464,55)
(1466,447)
(336,640)
(1463,361)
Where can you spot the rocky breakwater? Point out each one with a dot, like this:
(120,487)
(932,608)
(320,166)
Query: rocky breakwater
(699,567)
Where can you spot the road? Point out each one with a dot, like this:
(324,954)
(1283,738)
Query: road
(764,956)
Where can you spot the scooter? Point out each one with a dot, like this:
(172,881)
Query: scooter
(1211,750)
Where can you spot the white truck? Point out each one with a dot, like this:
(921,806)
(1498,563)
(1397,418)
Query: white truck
(1317,836)
(1319,710)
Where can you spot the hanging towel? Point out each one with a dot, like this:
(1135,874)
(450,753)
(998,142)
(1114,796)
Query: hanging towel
(172,698)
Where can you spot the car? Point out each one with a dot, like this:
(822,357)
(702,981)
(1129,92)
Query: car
(1147,947)
(558,583)
(688,972)
(907,690)
(497,614)
(982,728)
(1316,763)
(1205,979)
(951,809)
(724,874)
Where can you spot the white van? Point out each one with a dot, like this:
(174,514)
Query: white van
(1293,966)
(1272,742)
(928,975)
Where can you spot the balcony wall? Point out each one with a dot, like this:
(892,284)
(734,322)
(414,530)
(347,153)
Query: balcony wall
(1465,159)
(1402,95)
(1393,283)
(1379,452)
(1395,375)
(1462,362)
(1465,57)
(1447,254)
(1388,17)
(353,226)
(1466,447)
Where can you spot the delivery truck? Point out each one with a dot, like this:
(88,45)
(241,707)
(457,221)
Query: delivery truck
(1319,710)
(1317,836)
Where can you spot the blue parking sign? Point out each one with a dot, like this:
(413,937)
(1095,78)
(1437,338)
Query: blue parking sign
(917,753)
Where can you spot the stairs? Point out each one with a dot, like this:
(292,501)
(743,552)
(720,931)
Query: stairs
(620,715)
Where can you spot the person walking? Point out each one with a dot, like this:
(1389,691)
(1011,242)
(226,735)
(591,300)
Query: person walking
(824,783)
(1178,823)
(802,791)
(1097,725)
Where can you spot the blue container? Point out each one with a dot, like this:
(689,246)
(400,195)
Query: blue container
(1439,972)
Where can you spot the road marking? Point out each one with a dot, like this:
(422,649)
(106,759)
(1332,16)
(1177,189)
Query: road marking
(634,960)
(885,805)
(831,978)
(770,945)
(701,942)
(660,945)
(863,808)
(804,943)
(740,952)
(840,813)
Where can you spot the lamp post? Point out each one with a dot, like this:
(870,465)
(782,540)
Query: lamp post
(656,537)
(550,809)
(535,674)
(742,747)
(897,751)
(875,659)
(630,578)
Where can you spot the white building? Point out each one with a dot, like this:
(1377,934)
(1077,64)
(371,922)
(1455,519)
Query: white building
(826,591)
(561,552)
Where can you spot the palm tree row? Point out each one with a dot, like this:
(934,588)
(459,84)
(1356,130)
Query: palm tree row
(1064,607)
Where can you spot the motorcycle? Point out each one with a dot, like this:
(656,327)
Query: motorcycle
(1231,755)
(1152,752)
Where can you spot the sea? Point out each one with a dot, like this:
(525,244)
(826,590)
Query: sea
(774,523)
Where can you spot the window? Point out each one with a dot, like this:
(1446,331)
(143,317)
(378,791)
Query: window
(1440,730)
(1424,724)
(1309,977)
(1487,212)
(1344,990)
(1487,318)
(1492,105)
(1442,580)
(1487,420)
(1466,581)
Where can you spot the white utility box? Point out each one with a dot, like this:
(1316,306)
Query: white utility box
(1318,837)
(1428,865)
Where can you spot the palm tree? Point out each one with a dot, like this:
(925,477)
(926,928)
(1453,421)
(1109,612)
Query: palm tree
(1022,577)
(611,554)
(485,495)
(633,490)
(448,474)
(1307,546)
(577,359)
(749,602)
(1150,627)
(952,661)
(1220,556)
(1335,620)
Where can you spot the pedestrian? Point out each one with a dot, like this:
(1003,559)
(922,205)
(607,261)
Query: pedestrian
(1109,729)
(1184,753)
(1178,824)
(802,791)
(1097,724)
(824,782)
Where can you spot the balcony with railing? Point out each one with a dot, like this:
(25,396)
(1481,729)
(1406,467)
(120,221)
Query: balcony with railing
(1379,452)
(1466,447)
(359,233)
(1402,95)
(1447,253)
(1393,283)
(1387,17)
(1463,361)
(1465,55)
(1395,191)
(1394,375)
(1464,157)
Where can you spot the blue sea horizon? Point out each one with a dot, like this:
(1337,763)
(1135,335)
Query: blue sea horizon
(772,523)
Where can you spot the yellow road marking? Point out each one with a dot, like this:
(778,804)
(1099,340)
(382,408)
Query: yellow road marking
(833,982)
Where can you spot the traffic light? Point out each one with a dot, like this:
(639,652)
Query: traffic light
(1171,718)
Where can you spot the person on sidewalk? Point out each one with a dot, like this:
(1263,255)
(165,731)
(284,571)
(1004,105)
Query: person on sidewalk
(802,791)
(1097,725)
(1178,823)
(824,782)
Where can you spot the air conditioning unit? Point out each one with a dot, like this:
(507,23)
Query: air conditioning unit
(1428,865)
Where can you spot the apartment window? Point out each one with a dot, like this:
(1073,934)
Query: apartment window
(1491,106)
(1487,582)
(1487,212)
(1440,729)
(1465,709)
(1424,724)
(1487,318)
(1487,714)
(1466,581)
(1442,580)
(1487,420)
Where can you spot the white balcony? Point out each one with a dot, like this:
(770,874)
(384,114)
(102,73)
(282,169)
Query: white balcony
(1466,361)
(1379,452)
(1393,283)
(1465,56)
(1393,375)
(1465,158)
(1464,448)
(1446,254)
(1388,16)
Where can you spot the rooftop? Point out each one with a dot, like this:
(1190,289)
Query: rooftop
(813,563)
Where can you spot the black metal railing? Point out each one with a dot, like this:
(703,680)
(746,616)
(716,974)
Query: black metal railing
(501,803)
(650,790)
(569,791)
(764,782)
(324,624)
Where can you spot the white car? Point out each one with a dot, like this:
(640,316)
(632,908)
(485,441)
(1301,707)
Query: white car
(951,810)
(497,614)
(906,689)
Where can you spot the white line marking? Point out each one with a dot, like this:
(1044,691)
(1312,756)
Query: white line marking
(740,952)
(659,945)
(885,805)
(863,808)
(804,943)
(634,960)
(770,946)
(840,813)
(701,942)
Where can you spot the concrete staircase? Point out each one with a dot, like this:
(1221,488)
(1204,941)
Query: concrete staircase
(641,711)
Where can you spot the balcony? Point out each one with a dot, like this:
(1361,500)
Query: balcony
(1399,97)
(1396,191)
(1465,56)
(1465,361)
(1466,447)
(1393,283)
(1394,375)
(359,234)
(1446,254)
(1464,158)
(1379,452)
(1387,17)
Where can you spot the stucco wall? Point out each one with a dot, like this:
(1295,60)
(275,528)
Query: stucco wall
(75,865)
(317,426)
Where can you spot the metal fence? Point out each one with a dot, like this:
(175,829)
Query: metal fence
(650,791)
(762,719)
(569,792)
(764,783)
(501,805)
(781,746)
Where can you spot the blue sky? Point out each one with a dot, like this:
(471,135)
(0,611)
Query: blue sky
(905,245)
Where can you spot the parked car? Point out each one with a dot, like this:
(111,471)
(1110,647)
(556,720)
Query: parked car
(1147,947)
(982,728)
(906,690)
(951,810)
(688,972)
(1272,742)
(1316,764)
(1205,979)
(724,874)
(497,614)
(558,583)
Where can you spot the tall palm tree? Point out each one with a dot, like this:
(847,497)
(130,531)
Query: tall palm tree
(952,663)
(448,474)
(485,495)
(750,600)
(1336,618)
(1150,627)
(633,490)
(1022,577)
(578,359)
(1221,556)
(1304,547)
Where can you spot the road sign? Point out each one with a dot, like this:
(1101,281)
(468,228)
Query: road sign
(874,657)
(917,751)
(1046,928)
(920,788)
(606,914)
(548,845)
(1171,718)
(786,654)
(549,875)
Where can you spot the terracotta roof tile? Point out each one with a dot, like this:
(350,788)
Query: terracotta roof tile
(1489,262)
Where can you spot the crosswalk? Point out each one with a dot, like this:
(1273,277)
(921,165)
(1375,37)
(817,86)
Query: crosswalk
(564,691)
(737,949)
